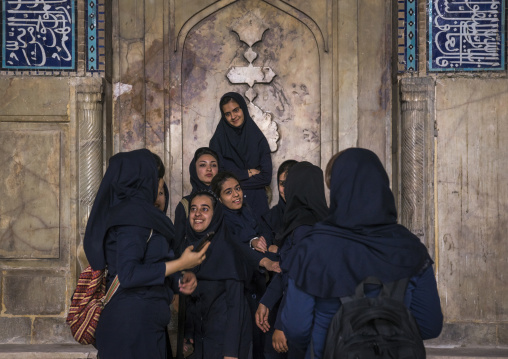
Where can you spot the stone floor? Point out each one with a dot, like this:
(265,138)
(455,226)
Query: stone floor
(76,351)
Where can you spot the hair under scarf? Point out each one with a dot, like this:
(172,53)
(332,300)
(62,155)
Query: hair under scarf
(360,237)
(126,196)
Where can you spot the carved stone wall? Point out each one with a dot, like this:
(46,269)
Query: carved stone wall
(416,209)
(316,75)
(37,225)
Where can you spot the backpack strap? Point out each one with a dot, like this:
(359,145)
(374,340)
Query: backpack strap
(116,282)
(397,289)
(185,204)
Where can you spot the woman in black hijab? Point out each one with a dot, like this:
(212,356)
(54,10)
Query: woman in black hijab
(305,205)
(202,169)
(273,218)
(129,234)
(218,313)
(359,238)
(245,150)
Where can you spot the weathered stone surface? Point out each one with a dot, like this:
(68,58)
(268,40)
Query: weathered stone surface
(15,330)
(51,331)
(463,353)
(34,97)
(48,351)
(472,201)
(502,335)
(466,335)
(30,188)
(31,293)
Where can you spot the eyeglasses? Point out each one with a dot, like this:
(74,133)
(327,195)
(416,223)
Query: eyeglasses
(282,183)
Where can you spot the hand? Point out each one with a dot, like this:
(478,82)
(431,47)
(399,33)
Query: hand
(190,259)
(270,265)
(259,244)
(262,317)
(188,345)
(273,248)
(279,341)
(188,283)
(253,172)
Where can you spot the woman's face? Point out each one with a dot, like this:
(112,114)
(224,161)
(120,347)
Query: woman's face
(206,168)
(233,113)
(160,201)
(231,194)
(201,213)
(282,184)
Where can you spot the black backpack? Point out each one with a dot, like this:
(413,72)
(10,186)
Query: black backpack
(379,327)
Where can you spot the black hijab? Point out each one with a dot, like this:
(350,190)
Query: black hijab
(126,196)
(305,196)
(360,237)
(273,218)
(222,261)
(241,145)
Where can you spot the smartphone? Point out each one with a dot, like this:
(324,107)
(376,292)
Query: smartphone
(204,241)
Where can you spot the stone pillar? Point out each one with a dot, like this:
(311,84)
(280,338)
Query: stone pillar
(416,160)
(90,124)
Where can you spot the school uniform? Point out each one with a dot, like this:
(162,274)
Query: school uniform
(133,324)
(218,317)
(359,238)
(306,205)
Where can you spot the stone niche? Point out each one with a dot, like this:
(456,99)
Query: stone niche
(246,46)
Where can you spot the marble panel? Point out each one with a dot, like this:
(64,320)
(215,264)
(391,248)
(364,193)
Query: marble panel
(34,293)
(293,97)
(34,97)
(154,75)
(472,198)
(374,78)
(30,186)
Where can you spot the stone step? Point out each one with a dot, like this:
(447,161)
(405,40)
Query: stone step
(47,351)
(75,351)
(467,353)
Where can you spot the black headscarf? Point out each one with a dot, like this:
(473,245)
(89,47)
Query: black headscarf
(126,196)
(239,144)
(360,237)
(222,261)
(305,196)
(273,218)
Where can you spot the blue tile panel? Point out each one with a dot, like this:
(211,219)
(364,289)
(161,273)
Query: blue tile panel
(466,35)
(94,36)
(410,35)
(38,35)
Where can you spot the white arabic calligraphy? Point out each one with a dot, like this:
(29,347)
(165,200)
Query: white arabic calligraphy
(468,33)
(38,30)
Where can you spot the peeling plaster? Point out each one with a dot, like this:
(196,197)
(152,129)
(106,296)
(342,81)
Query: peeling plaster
(120,89)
